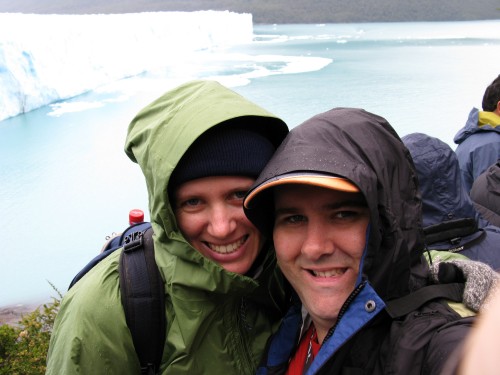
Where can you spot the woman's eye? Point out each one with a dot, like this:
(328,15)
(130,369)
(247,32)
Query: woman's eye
(190,202)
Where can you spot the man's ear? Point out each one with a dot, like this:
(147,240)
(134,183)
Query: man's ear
(497,108)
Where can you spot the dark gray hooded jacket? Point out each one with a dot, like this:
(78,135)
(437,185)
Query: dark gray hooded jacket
(365,149)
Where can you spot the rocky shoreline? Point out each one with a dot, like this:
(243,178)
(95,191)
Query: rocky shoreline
(13,314)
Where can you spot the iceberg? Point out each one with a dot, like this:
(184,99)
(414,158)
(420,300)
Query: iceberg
(48,58)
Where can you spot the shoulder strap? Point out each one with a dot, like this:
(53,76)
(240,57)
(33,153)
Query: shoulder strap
(450,230)
(89,266)
(411,302)
(126,236)
(110,246)
(143,300)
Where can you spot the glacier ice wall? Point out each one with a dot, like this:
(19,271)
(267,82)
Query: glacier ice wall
(46,58)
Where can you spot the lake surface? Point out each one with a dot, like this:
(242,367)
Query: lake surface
(65,182)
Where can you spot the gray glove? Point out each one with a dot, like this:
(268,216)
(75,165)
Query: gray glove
(480,279)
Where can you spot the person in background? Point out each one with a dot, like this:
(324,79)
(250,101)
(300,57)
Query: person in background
(479,140)
(448,215)
(200,147)
(485,194)
(340,198)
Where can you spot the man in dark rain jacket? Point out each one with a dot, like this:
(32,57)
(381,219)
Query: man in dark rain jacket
(341,198)
(449,217)
(479,140)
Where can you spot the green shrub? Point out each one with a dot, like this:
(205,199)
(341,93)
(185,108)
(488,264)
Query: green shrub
(8,336)
(23,348)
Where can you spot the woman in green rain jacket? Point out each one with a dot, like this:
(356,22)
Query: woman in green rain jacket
(218,321)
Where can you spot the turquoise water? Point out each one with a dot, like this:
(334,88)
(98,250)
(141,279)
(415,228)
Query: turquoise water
(65,182)
(420,76)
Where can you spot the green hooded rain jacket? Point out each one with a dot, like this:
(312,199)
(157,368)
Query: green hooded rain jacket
(217,321)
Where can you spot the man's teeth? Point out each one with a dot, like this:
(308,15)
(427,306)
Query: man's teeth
(226,249)
(335,272)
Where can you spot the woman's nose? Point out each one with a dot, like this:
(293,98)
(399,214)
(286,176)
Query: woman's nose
(221,222)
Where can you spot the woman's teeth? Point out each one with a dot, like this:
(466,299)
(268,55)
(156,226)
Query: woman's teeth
(229,248)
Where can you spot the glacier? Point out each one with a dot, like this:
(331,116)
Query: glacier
(45,59)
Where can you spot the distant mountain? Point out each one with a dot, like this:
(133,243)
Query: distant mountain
(281,11)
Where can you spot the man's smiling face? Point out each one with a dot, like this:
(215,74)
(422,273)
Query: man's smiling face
(319,236)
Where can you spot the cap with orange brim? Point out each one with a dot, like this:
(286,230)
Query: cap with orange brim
(315,179)
(258,204)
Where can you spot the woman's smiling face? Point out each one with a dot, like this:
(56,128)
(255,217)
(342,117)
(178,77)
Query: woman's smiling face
(209,212)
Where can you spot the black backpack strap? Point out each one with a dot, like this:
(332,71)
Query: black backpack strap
(143,299)
(411,302)
(113,244)
(447,230)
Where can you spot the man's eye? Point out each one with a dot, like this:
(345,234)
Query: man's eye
(345,214)
(349,214)
(239,194)
(292,219)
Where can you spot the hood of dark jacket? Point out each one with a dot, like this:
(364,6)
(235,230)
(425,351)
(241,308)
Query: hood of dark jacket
(365,149)
(449,216)
(444,197)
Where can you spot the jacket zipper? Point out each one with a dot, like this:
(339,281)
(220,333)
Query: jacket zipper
(343,309)
(244,327)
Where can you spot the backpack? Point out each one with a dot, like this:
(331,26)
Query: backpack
(456,233)
(142,292)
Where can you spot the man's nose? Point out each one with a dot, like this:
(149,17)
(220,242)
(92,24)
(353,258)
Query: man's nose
(317,242)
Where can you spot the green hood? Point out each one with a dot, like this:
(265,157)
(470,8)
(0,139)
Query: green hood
(162,132)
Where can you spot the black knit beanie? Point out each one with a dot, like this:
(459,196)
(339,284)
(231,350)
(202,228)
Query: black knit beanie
(223,151)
